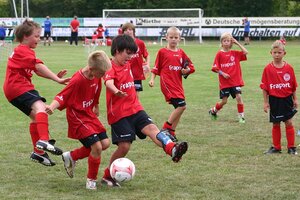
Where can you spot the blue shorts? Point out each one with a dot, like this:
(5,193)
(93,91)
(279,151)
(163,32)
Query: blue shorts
(24,101)
(230,91)
(126,129)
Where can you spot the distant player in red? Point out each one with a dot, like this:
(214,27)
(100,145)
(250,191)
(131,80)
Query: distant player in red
(100,31)
(124,111)
(81,100)
(21,93)
(120,31)
(279,91)
(74,26)
(227,65)
(95,38)
(171,65)
(140,61)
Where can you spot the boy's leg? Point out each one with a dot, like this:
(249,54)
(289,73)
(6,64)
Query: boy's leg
(290,136)
(276,136)
(240,107)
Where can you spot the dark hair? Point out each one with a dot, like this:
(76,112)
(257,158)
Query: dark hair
(121,43)
(25,29)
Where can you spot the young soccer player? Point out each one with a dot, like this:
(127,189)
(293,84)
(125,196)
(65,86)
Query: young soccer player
(171,65)
(227,65)
(124,111)
(81,100)
(21,93)
(279,91)
(140,61)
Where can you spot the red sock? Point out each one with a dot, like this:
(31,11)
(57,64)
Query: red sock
(34,137)
(240,108)
(168,126)
(169,147)
(106,173)
(41,119)
(276,136)
(80,153)
(218,106)
(93,167)
(290,136)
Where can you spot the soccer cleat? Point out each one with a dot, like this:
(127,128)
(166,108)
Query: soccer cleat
(292,151)
(242,120)
(212,114)
(110,182)
(43,159)
(178,151)
(91,184)
(69,163)
(272,150)
(48,146)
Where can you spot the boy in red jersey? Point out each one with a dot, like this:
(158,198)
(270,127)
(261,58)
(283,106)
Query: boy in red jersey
(171,64)
(100,30)
(140,61)
(227,65)
(279,91)
(81,99)
(21,93)
(74,26)
(124,111)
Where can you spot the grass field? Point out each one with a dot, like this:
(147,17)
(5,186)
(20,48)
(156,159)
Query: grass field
(225,159)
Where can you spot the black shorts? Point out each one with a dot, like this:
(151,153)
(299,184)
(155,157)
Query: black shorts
(281,109)
(230,91)
(246,34)
(24,101)
(47,34)
(177,102)
(138,85)
(127,128)
(89,141)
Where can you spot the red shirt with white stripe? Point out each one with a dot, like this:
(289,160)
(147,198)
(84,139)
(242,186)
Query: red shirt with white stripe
(20,68)
(279,82)
(79,98)
(120,107)
(138,59)
(168,65)
(229,63)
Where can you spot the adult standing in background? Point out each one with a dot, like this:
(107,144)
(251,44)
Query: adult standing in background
(74,25)
(47,31)
(246,24)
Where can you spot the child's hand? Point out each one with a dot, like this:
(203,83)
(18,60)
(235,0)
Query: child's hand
(96,110)
(185,70)
(225,75)
(151,83)
(49,110)
(120,93)
(234,41)
(62,73)
(64,81)
(266,107)
(296,104)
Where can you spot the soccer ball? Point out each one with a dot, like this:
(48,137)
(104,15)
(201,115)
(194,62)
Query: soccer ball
(122,170)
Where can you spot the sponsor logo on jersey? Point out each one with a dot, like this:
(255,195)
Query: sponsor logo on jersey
(175,68)
(279,86)
(127,85)
(86,104)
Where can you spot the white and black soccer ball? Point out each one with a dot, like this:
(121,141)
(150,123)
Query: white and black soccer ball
(122,170)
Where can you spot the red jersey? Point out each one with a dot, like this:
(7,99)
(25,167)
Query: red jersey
(279,82)
(79,98)
(120,107)
(138,59)
(20,68)
(229,62)
(168,65)
(100,31)
(75,25)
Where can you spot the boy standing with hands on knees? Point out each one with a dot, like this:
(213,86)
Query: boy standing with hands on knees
(171,65)
(279,85)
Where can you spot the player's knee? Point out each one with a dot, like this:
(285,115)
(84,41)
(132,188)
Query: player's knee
(105,144)
(123,147)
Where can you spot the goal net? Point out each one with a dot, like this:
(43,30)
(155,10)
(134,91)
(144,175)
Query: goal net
(153,23)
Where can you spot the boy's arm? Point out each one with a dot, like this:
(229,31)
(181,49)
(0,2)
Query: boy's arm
(245,51)
(295,100)
(266,101)
(96,109)
(110,85)
(151,82)
(50,108)
(43,71)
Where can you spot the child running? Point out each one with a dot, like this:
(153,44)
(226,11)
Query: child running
(171,65)
(227,65)
(81,100)
(124,111)
(21,93)
(279,85)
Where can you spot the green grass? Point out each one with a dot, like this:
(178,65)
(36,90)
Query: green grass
(225,159)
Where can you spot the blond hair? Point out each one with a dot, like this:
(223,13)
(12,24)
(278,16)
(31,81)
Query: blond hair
(99,60)
(278,44)
(224,36)
(173,29)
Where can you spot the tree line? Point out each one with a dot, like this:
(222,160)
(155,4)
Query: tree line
(212,8)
